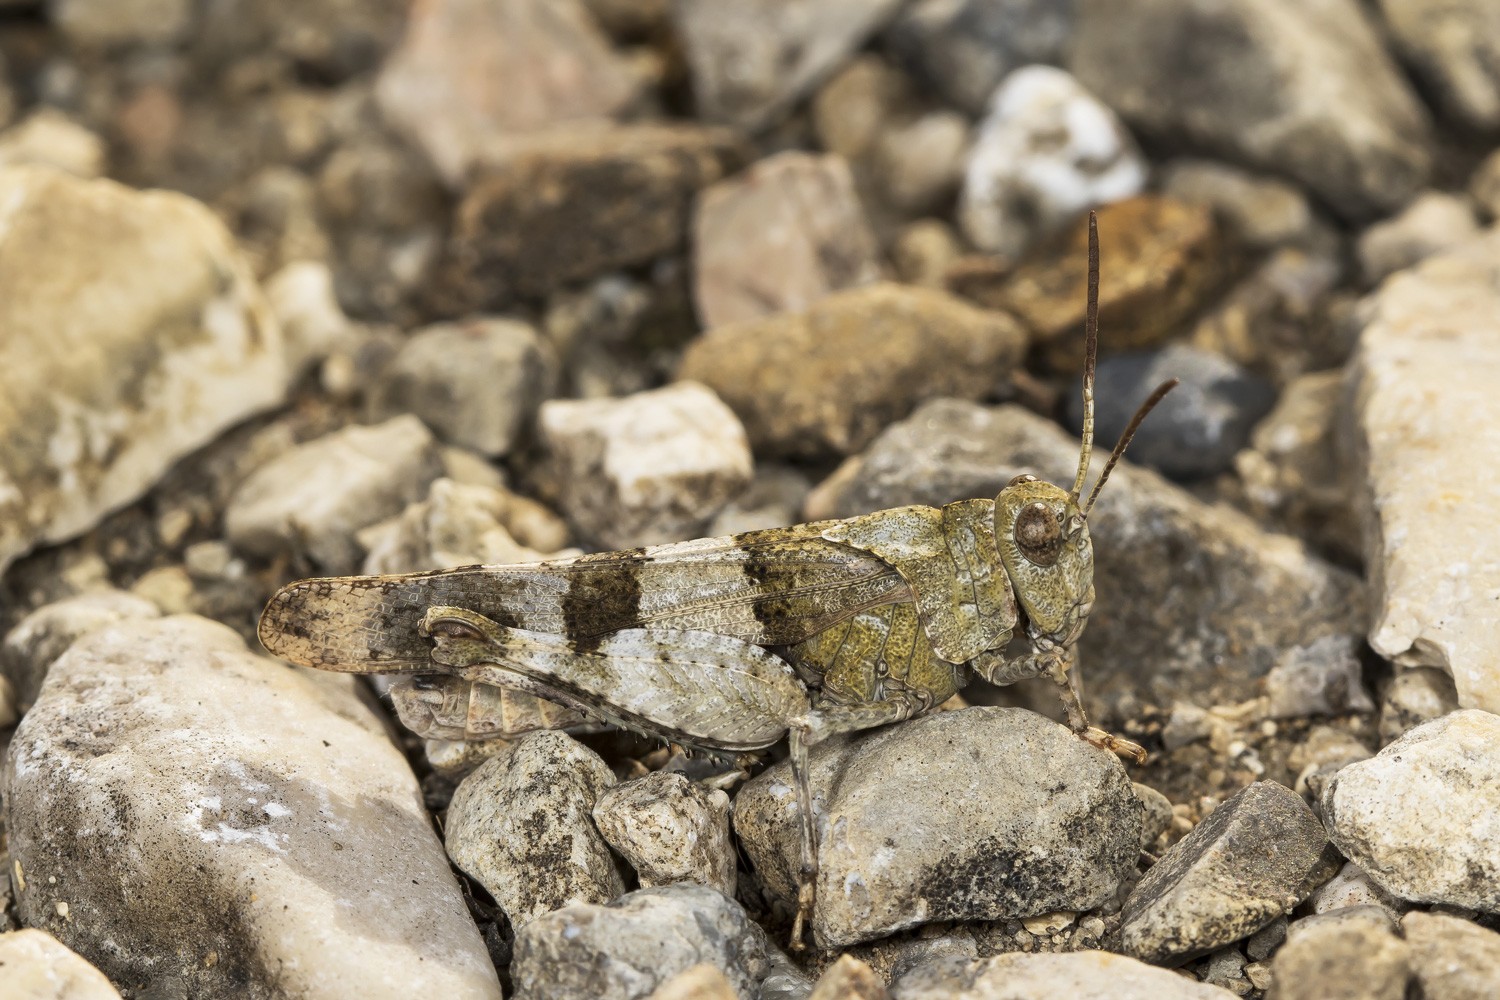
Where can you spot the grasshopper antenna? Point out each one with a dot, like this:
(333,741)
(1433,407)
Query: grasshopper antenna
(1090,353)
(1130,429)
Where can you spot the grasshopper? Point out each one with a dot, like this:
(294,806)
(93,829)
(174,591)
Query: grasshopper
(730,644)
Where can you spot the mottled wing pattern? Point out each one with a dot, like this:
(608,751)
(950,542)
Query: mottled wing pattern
(771,587)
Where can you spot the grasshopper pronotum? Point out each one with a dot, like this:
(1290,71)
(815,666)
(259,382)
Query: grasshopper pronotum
(731,643)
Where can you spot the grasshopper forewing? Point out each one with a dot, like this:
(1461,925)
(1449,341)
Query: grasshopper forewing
(732,643)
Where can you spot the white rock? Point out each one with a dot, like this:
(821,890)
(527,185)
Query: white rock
(670,829)
(1084,975)
(30,648)
(1352,887)
(1415,695)
(312,322)
(1432,223)
(220,825)
(648,468)
(521,826)
(134,334)
(1422,817)
(1047,150)
(778,237)
(471,75)
(34,965)
(476,383)
(1425,418)
(315,497)
(49,138)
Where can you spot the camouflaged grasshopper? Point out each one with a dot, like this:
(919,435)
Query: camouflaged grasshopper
(730,644)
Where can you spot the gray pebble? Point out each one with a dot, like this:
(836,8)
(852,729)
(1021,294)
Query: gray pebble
(1349,954)
(670,829)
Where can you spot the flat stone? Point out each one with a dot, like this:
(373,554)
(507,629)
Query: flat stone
(1435,221)
(134,334)
(313,498)
(1421,395)
(1422,817)
(1454,47)
(1258,210)
(1250,861)
(1084,975)
(1046,150)
(1451,958)
(671,830)
(1349,954)
(911,344)
(1196,431)
(476,383)
(30,649)
(576,203)
(1415,696)
(750,62)
(1330,108)
(644,469)
(1159,262)
(779,237)
(637,943)
(200,821)
(1254,595)
(34,965)
(1025,819)
(964,49)
(472,75)
(521,826)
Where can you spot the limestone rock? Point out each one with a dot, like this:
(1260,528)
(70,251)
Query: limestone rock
(826,381)
(630,947)
(49,138)
(104,23)
(1259,211)
(520,825)
(1046,150)
(1421,394)
(1351,887)
(1329,108)
(314,326)
(1349,954)
(1434,222)
(200,821)
(30,649)
(1454,45)
(1251,860)
(472,75)
(1422,817)
(1415,696)
(576,203)
(34,965)
(937,819)
(476,383)
(671,830)
(778,238)
(1085,975)
(751,61)
(1176,579)
(1451,958)
(314,498)
(648,468)
(134,334)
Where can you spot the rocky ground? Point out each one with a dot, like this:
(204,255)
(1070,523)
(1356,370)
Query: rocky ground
(344,286)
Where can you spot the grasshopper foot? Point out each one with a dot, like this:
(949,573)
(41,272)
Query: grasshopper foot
(805,897)
(1117,745)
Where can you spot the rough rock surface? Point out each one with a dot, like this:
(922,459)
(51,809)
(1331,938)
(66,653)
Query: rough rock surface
(1175,578)
(1454,45)
(471,76)
(574,204)
(627,949)
(1351,887)
(670,829)
(313,498)
(1085,975)
(648,468)
(117,359)
(1251,860)
(200,821)
(936,820)
(1422,817)
(34,965)
(476,383)
(521,826)
(1414,696)
(1160,260)
(1329,108)
(1323,677)
(1046,150)
(1451,958)
(826,381)
(778,238)
(1349,954)
(1422,395)
(30,649)
(751,61)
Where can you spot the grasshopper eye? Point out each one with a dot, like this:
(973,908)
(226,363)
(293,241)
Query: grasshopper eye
(1038,534)
(1024,477)
(452,628)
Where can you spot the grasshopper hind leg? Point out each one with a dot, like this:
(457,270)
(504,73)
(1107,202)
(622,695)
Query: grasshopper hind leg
(1078,720)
